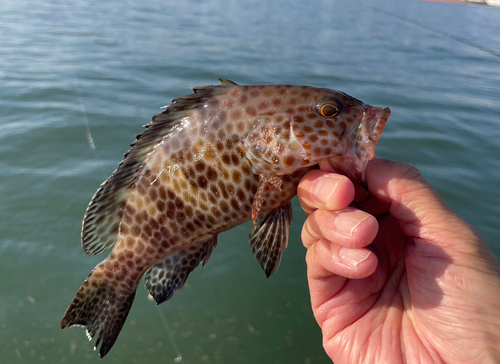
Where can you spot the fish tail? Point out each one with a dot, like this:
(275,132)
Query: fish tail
(102,306)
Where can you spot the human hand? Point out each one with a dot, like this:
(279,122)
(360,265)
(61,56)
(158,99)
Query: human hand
(394,274)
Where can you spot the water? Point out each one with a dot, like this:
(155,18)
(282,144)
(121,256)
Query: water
(114,63)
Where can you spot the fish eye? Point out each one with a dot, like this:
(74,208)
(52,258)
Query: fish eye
(328,110)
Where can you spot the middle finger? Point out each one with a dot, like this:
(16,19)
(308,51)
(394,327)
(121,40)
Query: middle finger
(349,227)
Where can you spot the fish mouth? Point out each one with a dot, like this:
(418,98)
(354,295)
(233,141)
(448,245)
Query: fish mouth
(369,132)
(353,161)
(376,120)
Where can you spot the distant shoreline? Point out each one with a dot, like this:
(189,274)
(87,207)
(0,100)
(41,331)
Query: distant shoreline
(475,2)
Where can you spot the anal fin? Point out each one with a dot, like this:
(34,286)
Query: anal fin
(167,277)
(270,237)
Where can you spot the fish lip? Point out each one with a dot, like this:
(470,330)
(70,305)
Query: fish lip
(376,120)
(370,130)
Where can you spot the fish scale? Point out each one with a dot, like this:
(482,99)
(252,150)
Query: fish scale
(211,161)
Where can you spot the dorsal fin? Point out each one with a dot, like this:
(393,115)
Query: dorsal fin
(226,82)
(102,218)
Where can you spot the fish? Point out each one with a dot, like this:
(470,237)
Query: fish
(210,161)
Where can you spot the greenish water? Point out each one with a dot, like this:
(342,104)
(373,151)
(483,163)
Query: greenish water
(112,64)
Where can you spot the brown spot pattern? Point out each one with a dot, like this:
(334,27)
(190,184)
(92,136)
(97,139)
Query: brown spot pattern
(202,178)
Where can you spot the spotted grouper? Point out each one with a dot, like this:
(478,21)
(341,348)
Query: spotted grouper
(212,160)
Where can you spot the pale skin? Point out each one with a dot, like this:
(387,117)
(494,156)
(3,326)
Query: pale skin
(395,275)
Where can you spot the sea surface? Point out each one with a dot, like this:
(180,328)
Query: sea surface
(79,78)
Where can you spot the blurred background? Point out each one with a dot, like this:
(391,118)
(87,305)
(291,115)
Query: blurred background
(79,78)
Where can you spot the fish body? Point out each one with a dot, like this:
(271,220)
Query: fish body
(212,160)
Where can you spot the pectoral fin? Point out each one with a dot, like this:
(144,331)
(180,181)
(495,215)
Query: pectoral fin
(168,276)
(266,182)
(270,238)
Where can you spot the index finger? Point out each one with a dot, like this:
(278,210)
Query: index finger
(324,190)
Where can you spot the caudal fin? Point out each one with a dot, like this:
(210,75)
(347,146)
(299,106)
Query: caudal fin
(102,308)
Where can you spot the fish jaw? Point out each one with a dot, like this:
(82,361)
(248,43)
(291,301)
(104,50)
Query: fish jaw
(356,156)
(375,121)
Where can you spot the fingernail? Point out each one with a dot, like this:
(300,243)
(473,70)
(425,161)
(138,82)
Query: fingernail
(353,257)
(347,222)
(325,188)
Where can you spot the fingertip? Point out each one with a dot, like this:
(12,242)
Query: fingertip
(326,258)
(333,192)
(348,227)
(358,226)
(355,258)
(325,190)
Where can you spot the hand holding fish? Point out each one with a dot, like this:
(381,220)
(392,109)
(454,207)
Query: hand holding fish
(399,277)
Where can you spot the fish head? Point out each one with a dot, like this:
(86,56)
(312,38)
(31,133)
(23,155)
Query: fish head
(360,127)
(316,124)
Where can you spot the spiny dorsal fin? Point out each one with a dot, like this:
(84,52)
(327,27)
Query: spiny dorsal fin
(270,238)
(167,277)
(103,215)
(226,82)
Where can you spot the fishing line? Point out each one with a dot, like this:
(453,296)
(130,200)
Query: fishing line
(79,96)
(437,31)
(177,359)
(90,140)
(83,111)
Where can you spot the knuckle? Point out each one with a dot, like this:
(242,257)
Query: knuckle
(409,172)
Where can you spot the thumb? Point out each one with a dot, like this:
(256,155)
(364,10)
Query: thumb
(420,211)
